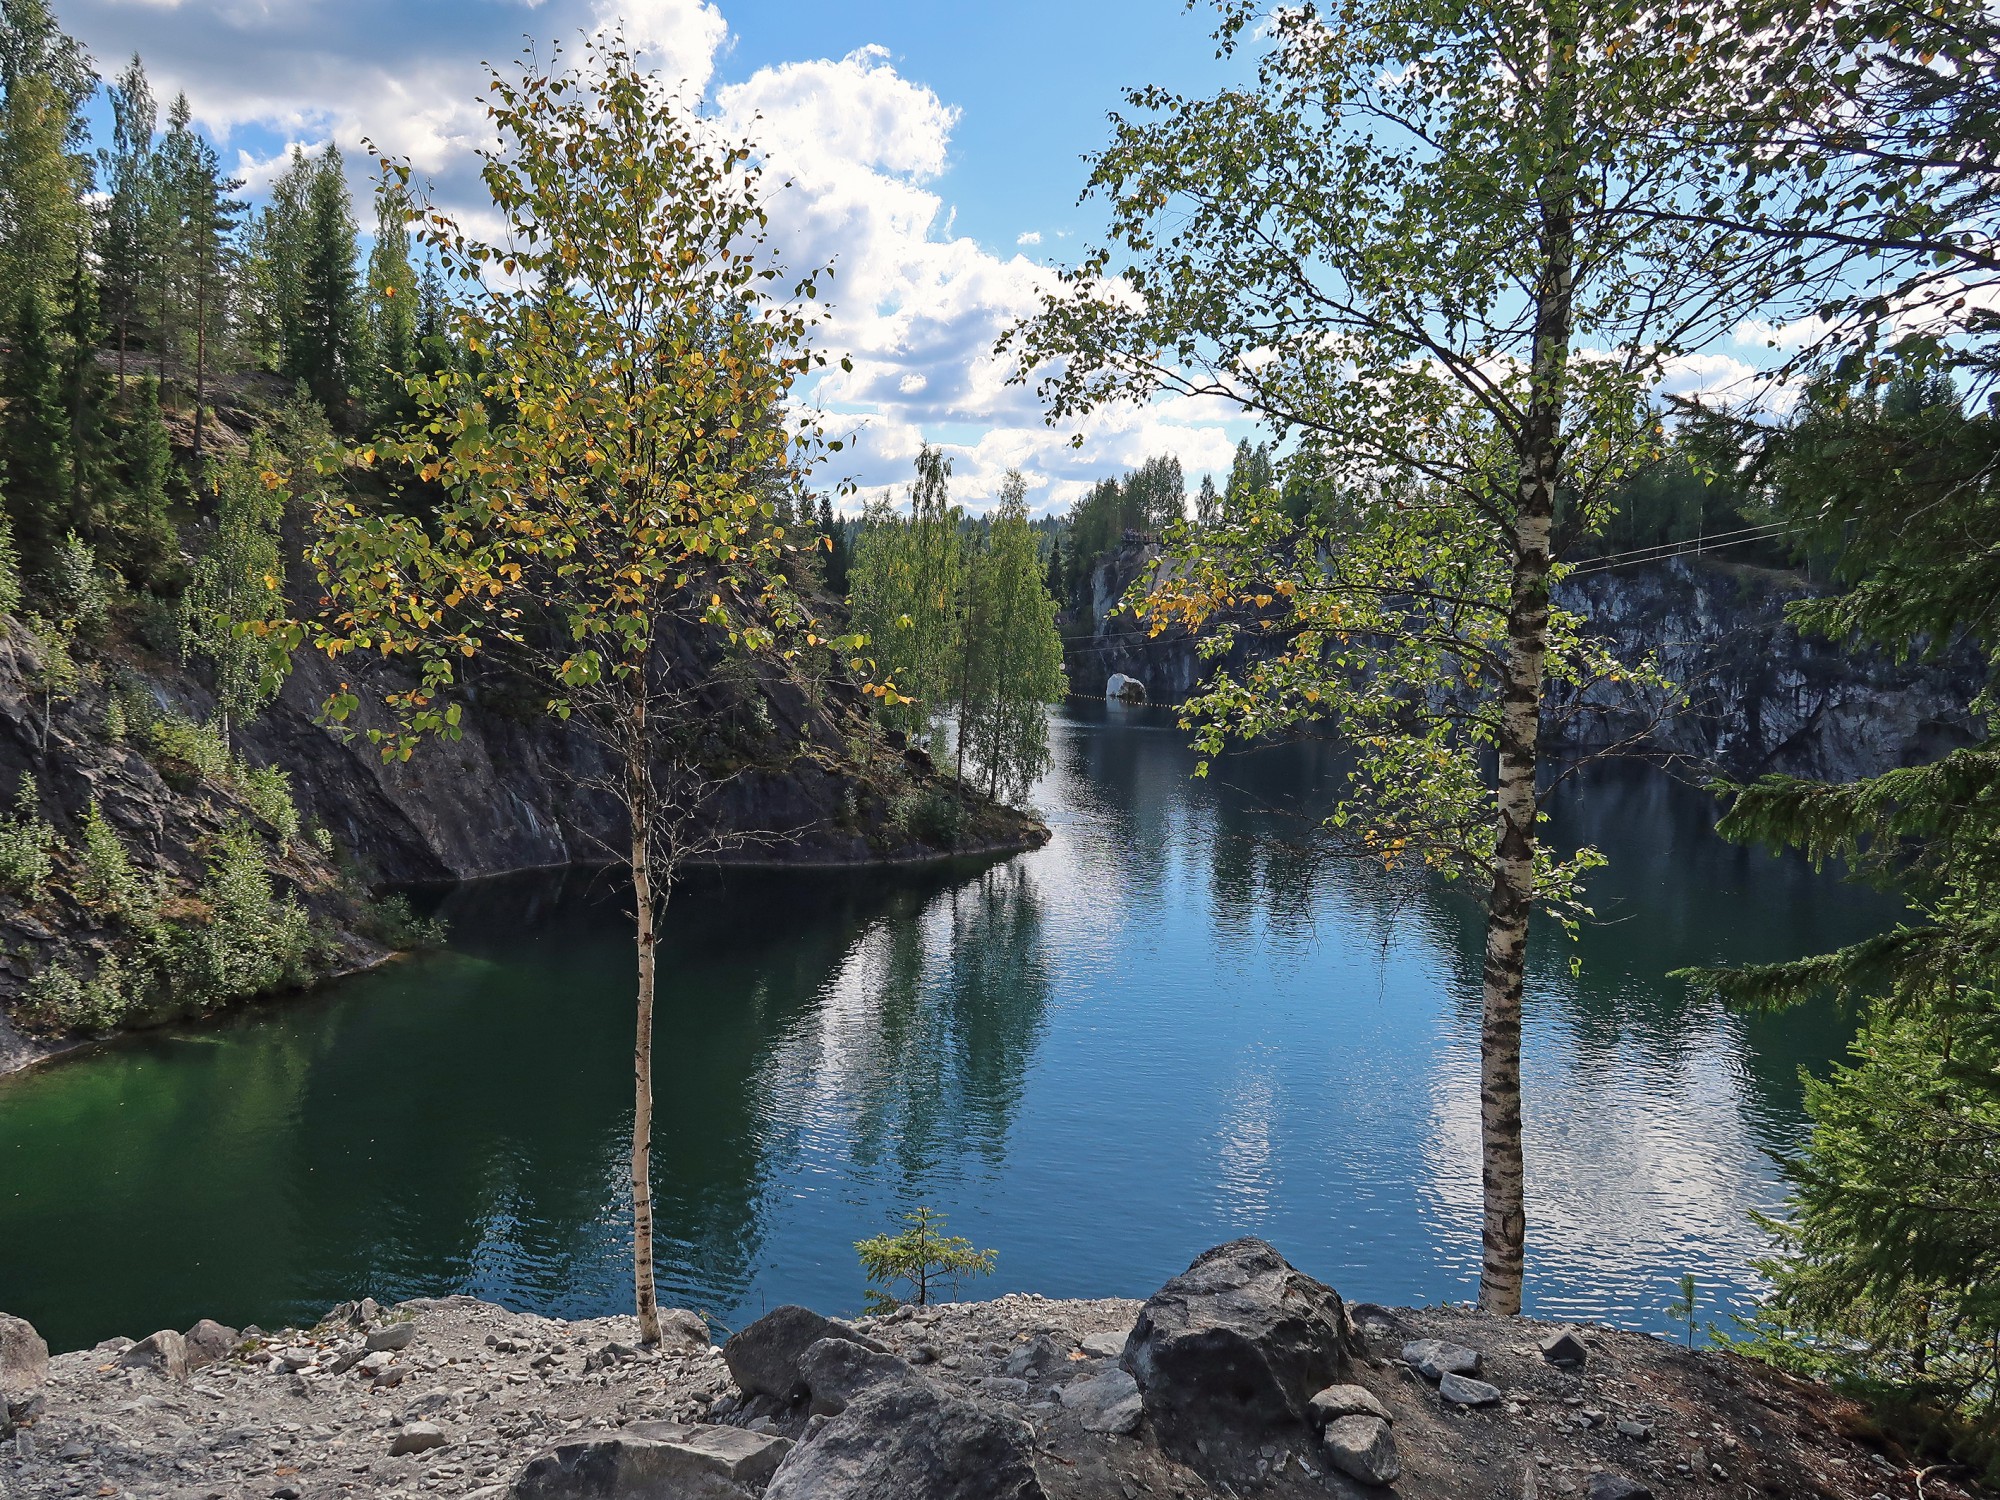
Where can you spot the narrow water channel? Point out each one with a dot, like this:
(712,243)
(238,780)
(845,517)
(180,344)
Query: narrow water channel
(1166,1028)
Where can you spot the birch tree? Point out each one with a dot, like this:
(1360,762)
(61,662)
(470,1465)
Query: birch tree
(606,472)
(908,598)
(1415,247)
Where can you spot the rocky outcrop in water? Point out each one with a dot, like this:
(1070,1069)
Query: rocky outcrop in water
(963,1401)
(1759,696)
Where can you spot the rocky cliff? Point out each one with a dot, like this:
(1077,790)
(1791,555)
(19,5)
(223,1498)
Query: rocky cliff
(802,774)
(1758,695)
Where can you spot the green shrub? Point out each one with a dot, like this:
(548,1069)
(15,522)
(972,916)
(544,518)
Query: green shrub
(27,845)
(57,1000)
(175,742)
(10,569)
(934,817)
(267,792)
(79,587)
(114,719)
(254,940)
(920,1260)
(392,923)
(106,877)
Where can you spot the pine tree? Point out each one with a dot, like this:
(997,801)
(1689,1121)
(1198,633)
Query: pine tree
(33,435)
(196,212)
(124,249)
(1055,582)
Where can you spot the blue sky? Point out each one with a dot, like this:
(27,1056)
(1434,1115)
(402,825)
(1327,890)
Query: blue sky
(936,151)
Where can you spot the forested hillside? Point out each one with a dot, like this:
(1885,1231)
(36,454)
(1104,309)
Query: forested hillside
(189,388)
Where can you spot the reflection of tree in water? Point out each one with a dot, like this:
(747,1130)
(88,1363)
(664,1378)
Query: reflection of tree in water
(924,1046)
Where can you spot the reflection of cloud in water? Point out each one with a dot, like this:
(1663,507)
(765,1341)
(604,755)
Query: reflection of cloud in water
(916,1051)
(1639,1165)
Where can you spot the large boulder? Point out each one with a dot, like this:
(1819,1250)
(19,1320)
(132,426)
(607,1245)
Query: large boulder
(165,1351)
(837,1370)
(209,1341)
(653,1459)
(24,1356)
(1229,1354)
(909,1440)
(763,1359)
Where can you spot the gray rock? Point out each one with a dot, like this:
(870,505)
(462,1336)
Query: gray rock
(1228,1355)
(24,1356)
(165,1351)
(912,1441)
(392,1336)
(417,1437)
(1105,1403)
(209,1341)
(1036,1358)
(1565,1347)
(679,1326)
(1347,1401)
(1462,1390)
(835,1371)
(628,1467)
(1363,1448)
(1105,1345)
(1616,1487)
(733,1452)
(1434,1358)
(1636,1430)
(763,1359)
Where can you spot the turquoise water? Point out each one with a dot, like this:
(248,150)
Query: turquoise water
(1168,1027)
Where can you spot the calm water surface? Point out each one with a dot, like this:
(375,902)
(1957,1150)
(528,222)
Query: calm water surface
(1164,1029)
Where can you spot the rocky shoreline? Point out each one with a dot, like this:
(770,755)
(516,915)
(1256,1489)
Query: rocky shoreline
(1241,1376)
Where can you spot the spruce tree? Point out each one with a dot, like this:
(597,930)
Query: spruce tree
(85,392)
(33,435)
(323,354)
(45,80)
(392,311)
(144,526)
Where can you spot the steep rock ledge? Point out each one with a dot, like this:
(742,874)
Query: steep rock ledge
(1759,696)
(806,778)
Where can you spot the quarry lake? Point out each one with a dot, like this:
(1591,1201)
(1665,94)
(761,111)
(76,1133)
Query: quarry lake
(1168,1027)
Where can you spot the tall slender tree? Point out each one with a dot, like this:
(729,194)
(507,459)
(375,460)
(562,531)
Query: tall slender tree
(1013,652)
(608,471)
(1424,244)
(124,247)
(329,312)
(908,597)
(45,80)
(34,432)
(391,314)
